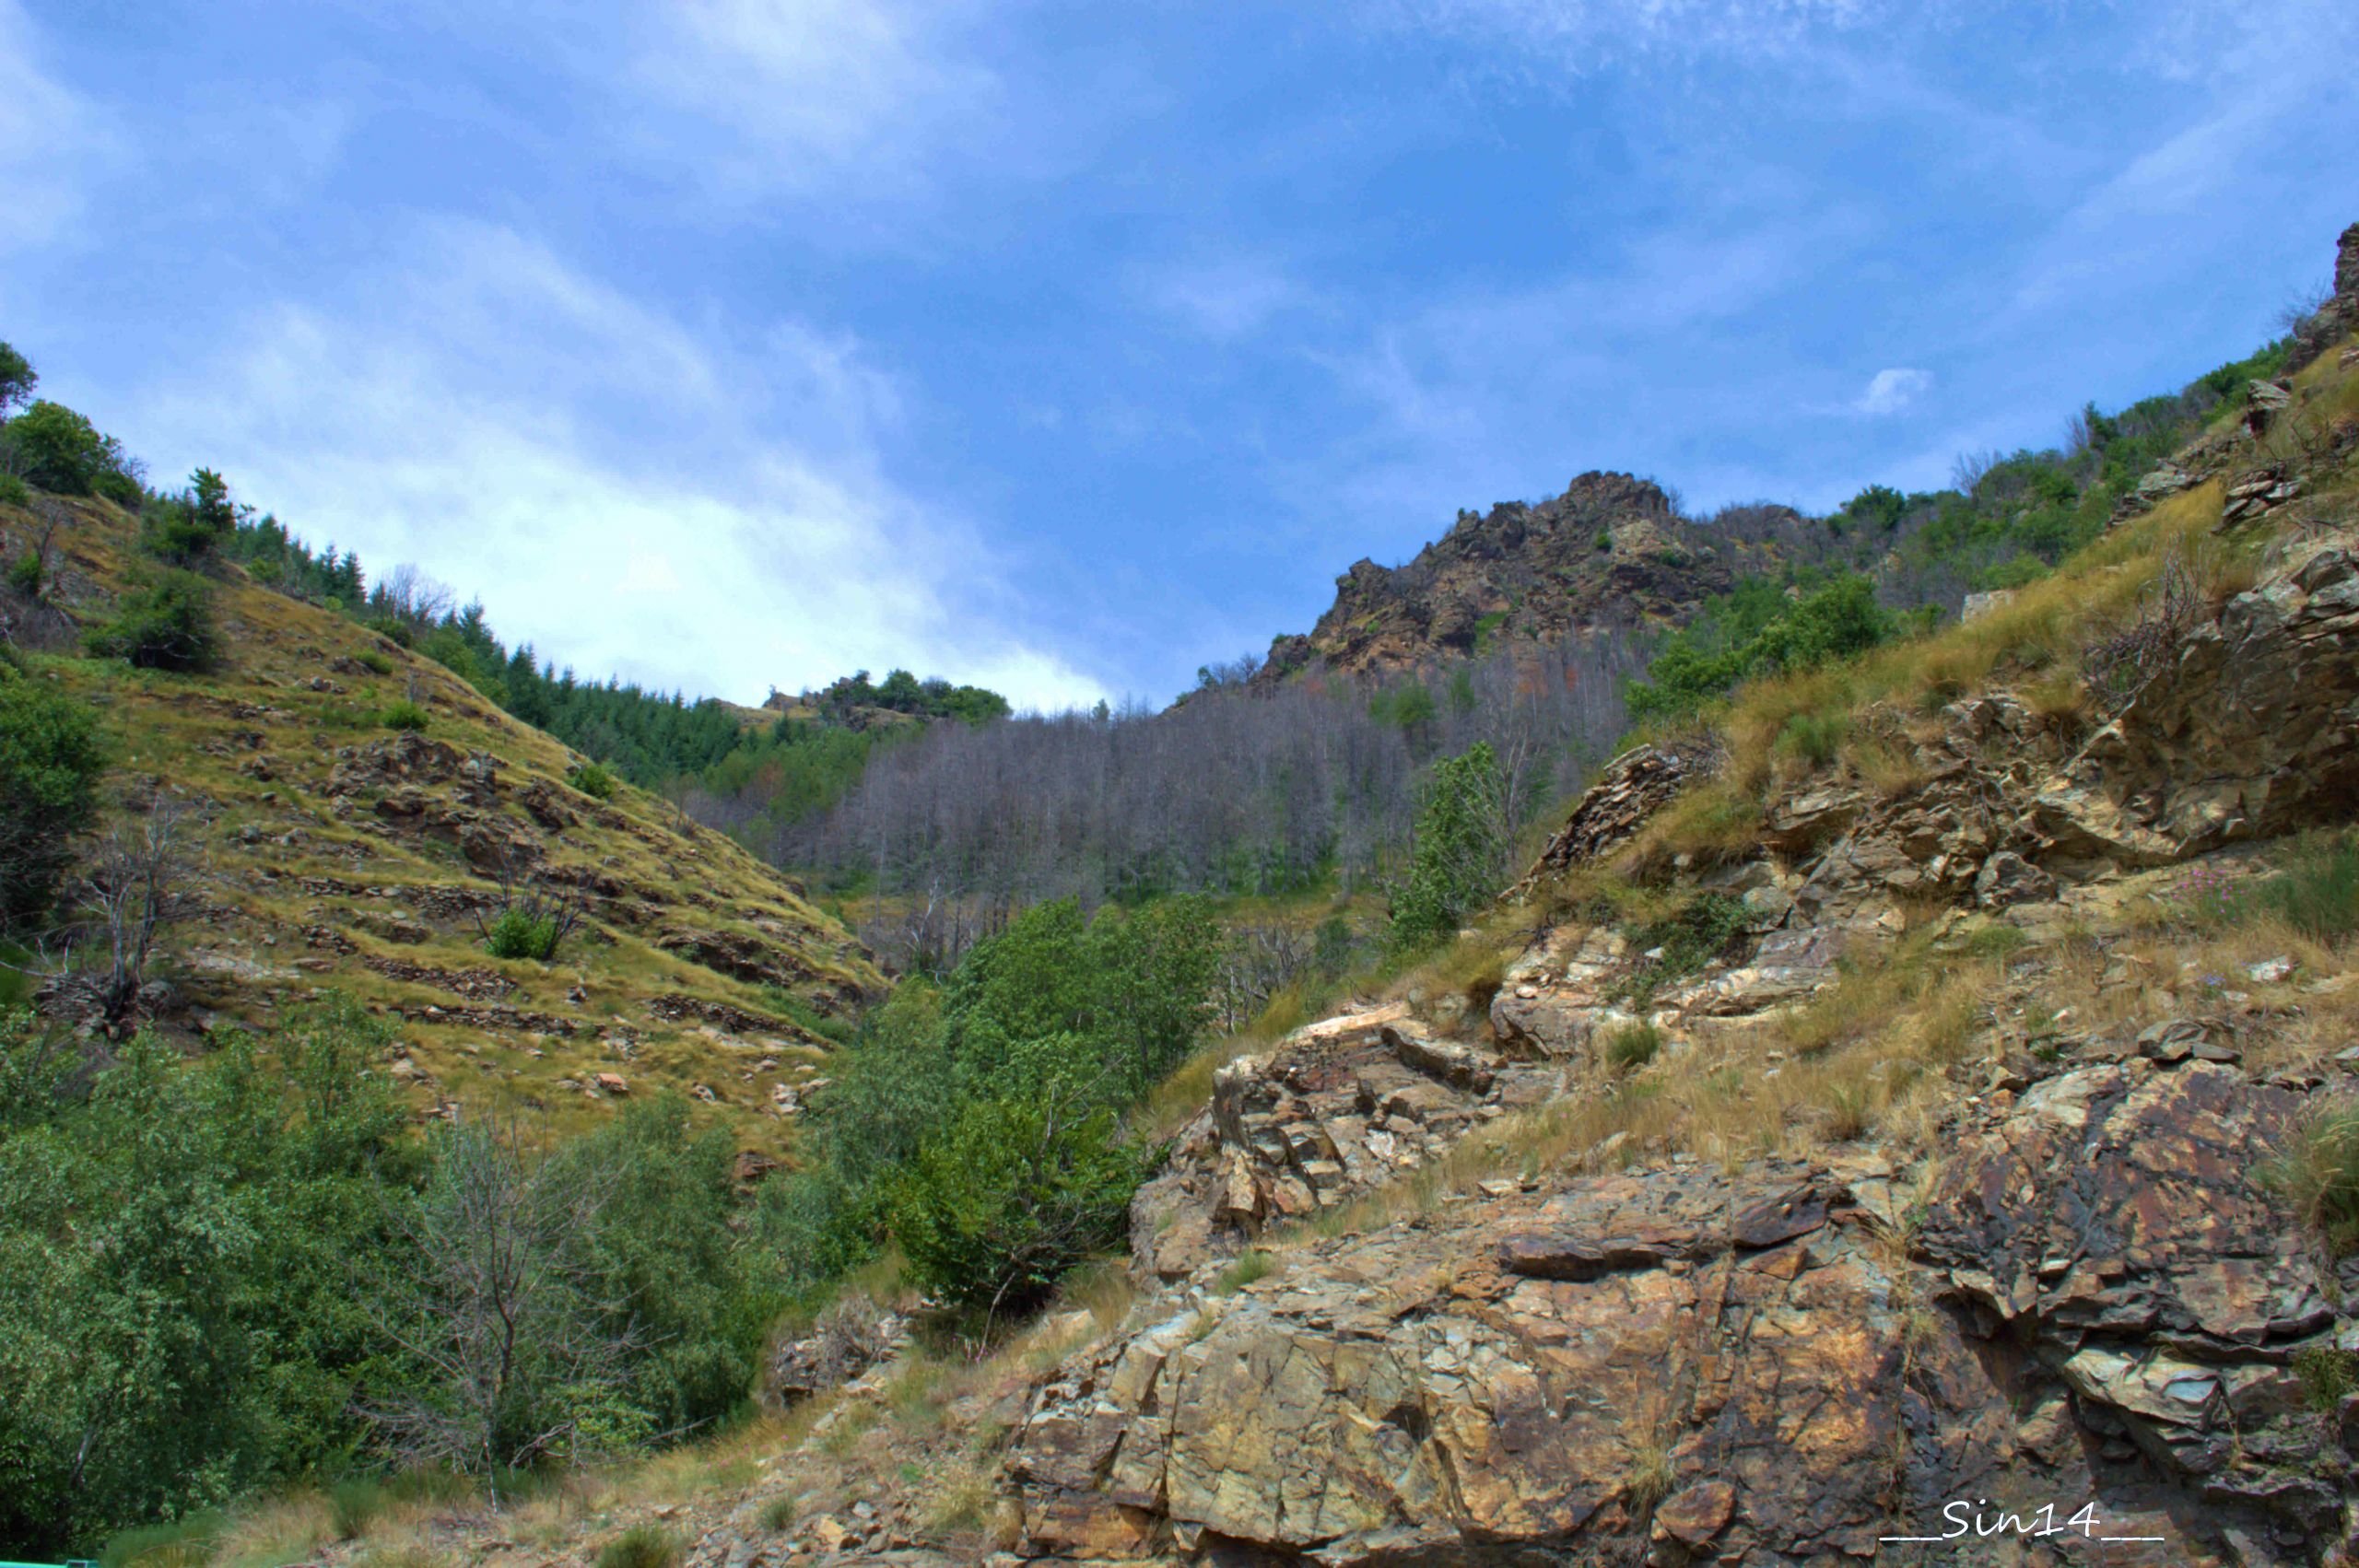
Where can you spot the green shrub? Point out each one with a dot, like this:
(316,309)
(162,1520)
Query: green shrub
(1700,931)
(24,574)
(1757,631)
(1015,1193)
(50,758)
(14,492)
(374,661)
(163,623)
(2328,1374)
(592,779)
(1632,1047)
(642,1546)
(519,933)
(1455,858)
(403,715)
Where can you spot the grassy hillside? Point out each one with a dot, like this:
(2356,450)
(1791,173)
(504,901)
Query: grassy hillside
(332,851)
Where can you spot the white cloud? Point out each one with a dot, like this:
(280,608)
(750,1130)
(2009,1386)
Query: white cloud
(48,138)
(1891,391)
(812,90)
(623,498)
(1224,298)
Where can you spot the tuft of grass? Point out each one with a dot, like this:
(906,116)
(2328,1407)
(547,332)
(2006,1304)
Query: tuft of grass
(2317,1170)
(1254,1265)
(1812,739)
(777,1515)
(401,715)
(182,1544)
(1632,1047)
(288,1529)
(2315,893)
(1852,1108)
(354,1503)
(370,660)
(1650,1477)
(644,1546)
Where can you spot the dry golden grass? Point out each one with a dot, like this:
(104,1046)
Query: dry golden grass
(288,1529)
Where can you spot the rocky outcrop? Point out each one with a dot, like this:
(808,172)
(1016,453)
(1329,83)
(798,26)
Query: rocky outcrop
(2103,1305)
(1628,791)
(1336,1111)
(1611,551)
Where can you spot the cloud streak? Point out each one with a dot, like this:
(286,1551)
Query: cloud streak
(1889,391)
(623,497)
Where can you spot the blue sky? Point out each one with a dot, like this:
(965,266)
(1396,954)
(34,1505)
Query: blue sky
(1064,348)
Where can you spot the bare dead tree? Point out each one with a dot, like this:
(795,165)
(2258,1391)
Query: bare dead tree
(134,888)
(500,1310)
(2117,665)
(1259,959)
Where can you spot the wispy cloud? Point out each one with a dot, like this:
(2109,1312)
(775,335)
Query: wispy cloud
(1889,391)
(623,495)
(49,139)
(1226,297)
(812,90)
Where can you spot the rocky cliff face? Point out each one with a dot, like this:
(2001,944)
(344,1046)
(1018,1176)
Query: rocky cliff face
(1628,1268)
(1609,551)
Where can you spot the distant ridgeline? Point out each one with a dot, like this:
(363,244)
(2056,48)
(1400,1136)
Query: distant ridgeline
(651,737)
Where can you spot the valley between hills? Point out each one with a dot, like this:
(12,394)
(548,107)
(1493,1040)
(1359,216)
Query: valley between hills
(1639,1039)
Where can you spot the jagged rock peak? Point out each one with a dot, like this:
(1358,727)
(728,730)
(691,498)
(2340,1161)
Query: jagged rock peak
(1610,550)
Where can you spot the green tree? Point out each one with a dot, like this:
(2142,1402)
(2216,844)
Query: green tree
(18,379)
(50,757)
(60,451)
(189,530)
(1461,839)
(1016,1194)
(163,623)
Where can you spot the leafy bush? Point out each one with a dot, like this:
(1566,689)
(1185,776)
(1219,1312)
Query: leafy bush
(403,715)
(2328,1374)
(1685,941)
(592,779)
(1014,1194)
(26,574)
(164,623)
(1759,633)
(519,933)
(14,492)
(50,758)
(1461,839)
(978,1126)
(374,661)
